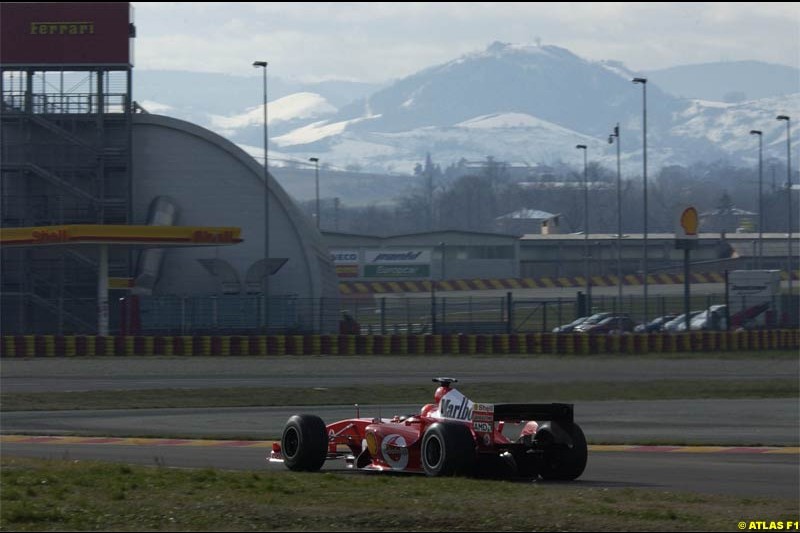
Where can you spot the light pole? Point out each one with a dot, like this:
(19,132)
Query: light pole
(611,138)
(267,269)
(587,252)
(315,160)
(788,198)
(760,202)
(643,81)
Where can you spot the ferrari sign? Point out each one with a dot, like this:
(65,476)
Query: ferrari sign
(66,33)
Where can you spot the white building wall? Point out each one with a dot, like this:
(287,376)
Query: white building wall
(215,183)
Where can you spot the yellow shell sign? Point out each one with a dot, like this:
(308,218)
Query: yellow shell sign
(689,224)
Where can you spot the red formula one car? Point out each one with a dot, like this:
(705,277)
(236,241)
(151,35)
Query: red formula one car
(453,436)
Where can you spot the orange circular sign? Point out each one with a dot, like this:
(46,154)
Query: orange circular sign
(690,221)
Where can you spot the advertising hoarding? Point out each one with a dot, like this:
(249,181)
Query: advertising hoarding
(74,34)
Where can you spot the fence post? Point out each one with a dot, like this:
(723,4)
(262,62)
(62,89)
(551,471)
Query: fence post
(183,315)
(509,313)
(544,317)
(321,308)
(215,313)
(383,315)
(433,309)
(559,311)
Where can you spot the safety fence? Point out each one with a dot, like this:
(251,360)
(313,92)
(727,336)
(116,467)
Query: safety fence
(387,315)
(456,344)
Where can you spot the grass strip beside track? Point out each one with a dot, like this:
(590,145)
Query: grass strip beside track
(399,394)
(40,495)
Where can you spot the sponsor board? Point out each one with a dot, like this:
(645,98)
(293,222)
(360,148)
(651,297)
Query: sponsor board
(347,271)
(392,257)
(397,271)
(342,257)
(68,33)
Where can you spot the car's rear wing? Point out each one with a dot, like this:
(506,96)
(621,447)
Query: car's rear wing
(558,412)
(484,416)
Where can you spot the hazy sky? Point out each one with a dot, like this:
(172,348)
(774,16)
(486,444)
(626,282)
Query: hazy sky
(381,41)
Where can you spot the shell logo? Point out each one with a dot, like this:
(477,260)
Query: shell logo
(690,221)
(372,444)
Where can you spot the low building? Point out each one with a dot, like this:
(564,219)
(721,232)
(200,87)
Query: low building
(424,256)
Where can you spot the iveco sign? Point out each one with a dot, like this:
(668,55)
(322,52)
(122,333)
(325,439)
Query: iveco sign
(344,256)
(391,257)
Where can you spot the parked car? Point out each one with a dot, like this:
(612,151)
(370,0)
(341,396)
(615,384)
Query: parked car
(612,324)
(712,319)
(591,321)
(679,323)
(567,328)
(655,325)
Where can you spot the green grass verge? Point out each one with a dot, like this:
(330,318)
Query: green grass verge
(40,495)
(400,394)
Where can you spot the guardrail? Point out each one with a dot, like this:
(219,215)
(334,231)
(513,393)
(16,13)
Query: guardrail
(456,344)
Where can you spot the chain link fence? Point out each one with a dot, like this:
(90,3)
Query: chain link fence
(241,315)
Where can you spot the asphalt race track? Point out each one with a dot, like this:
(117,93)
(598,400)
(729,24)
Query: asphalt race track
(128,373)
(743,472)
(723,422)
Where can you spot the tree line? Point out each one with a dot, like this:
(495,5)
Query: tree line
(471,196)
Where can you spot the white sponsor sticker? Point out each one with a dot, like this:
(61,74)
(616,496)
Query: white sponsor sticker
(454,405)
(395,451)
(482,427)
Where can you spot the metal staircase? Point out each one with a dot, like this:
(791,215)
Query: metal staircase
(66,159)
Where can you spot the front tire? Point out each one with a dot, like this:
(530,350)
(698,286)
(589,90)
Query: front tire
(564,460)
(304,443)
(447,450)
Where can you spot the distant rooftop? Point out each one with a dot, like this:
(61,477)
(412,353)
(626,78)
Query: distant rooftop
(728,211)
(528,214)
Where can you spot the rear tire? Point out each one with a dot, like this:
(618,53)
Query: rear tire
(563,461)
(304,443)
(448,450)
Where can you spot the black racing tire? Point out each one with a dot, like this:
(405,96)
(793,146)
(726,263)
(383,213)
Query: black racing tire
(563,461)
(448,449)
(304,443)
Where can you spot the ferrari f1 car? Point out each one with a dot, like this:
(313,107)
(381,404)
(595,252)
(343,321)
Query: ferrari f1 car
(452,436)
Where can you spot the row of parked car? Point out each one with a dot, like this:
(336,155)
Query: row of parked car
(714,319)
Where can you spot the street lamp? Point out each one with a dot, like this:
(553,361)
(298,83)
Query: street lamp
(788,197)
(315,160)
(760,202)
(643,82)
(587,252)
(267,269)
(615,135)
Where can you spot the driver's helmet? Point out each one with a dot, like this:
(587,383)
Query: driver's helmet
(440,392)
(427,409)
